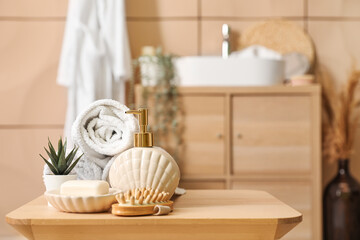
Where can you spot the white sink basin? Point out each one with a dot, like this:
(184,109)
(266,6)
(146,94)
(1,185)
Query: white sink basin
(216,71)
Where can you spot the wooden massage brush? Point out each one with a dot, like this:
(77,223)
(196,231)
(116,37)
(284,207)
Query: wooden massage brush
(144,201)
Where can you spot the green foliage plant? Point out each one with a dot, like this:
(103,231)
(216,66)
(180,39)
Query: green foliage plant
(60,164)
(163,93)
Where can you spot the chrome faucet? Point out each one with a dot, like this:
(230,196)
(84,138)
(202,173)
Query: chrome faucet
(226,41)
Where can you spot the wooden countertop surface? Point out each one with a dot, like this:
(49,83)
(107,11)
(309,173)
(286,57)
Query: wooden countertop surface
(199,214)
(235,90)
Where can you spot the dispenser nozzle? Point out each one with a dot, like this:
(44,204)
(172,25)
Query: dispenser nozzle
(142,138)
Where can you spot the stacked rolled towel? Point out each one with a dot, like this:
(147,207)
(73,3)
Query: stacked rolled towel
(102,131)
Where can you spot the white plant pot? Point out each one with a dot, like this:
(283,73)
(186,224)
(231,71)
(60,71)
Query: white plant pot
(53,182)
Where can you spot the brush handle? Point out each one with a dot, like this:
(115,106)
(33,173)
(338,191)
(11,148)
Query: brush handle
(140,210)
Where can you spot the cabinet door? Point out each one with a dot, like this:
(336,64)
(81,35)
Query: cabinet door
(271,134)
(296,194)
(203,135)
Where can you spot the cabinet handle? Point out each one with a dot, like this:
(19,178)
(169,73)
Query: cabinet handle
(239,136)
(219,136)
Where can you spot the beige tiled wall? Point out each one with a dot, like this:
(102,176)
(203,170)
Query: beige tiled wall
(43,9)
(32,106)
(178,35)
(254,8)
(161,8)
(29,52)
(333,8)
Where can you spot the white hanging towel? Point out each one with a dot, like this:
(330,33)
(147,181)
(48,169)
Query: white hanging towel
(95,60)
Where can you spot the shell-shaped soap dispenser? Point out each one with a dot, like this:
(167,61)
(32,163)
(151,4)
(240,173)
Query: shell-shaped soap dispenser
(145,172)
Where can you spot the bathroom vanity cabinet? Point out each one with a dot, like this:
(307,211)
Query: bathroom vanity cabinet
(261,138)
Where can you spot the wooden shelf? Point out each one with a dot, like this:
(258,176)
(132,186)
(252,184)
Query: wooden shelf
(315,88)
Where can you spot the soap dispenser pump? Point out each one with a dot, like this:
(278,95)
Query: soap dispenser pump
(142,138)
(145,167)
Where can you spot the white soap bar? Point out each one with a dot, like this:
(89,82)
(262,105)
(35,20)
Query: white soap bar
(84,188)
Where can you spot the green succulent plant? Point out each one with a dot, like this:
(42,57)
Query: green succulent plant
(61,164)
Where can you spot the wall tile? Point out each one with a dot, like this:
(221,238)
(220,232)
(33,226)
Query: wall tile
(254,8)
(177,37)
(337,45)
(161,8)
(33,8)
(21,167)
(28,66)
(211,37)
(334,8)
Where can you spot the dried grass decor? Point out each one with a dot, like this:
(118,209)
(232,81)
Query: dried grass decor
(340,115)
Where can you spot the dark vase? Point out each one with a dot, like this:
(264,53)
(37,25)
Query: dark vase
(342,206)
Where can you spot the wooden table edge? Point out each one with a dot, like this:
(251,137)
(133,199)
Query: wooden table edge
(17,221)
(134,220)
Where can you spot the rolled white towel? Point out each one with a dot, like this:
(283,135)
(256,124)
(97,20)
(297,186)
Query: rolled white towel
(102,131)
(88,170)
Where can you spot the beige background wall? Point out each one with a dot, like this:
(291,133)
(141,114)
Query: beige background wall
(32,106)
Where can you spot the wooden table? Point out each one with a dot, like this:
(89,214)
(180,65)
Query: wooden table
(199,214)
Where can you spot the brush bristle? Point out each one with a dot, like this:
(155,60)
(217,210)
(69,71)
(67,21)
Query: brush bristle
(139,196)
